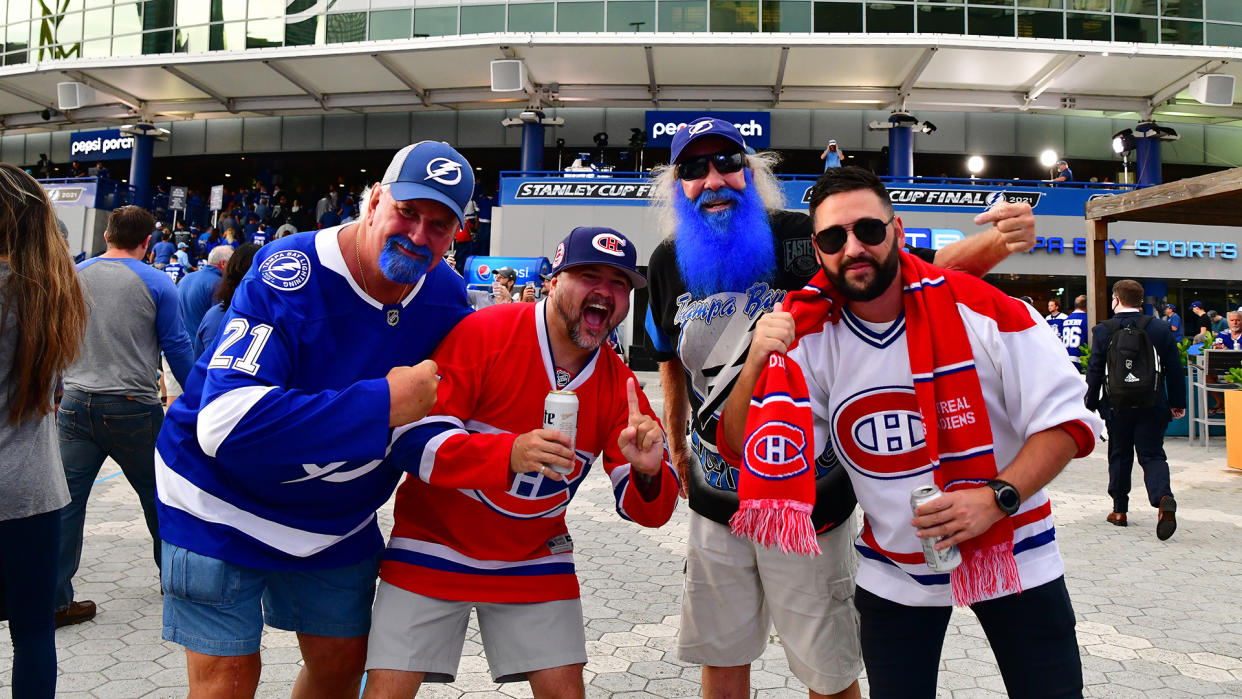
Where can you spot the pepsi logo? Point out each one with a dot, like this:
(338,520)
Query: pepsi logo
(879,433)
(605,243)
(559,257)
(777,450)
(446,172)
(484,271)
(696,129)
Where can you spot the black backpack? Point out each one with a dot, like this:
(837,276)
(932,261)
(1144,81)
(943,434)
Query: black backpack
(1132,368)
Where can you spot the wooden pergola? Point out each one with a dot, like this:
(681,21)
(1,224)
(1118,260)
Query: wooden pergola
(1210,200)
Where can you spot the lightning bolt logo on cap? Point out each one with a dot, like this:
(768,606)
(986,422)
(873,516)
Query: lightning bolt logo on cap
(444,171)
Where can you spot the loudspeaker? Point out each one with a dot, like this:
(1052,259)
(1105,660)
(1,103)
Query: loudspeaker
(508,76)
(73,95)
(1214,90)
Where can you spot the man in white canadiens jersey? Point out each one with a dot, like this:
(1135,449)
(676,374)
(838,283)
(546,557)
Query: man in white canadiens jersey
(270,467)
(480,521)
(920,375)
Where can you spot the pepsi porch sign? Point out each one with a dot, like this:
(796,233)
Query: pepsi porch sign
(661,125)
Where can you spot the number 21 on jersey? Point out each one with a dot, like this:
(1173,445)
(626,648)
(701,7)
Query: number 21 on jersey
(237,329)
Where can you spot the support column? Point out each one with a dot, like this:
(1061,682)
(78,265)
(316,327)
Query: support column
(532,146)
(1154,292)
(140,169)
(900,150)
(1098,293)
(1147,154)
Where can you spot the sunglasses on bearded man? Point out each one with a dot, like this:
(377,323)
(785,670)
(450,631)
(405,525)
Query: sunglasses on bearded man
(726,162)
(869,231)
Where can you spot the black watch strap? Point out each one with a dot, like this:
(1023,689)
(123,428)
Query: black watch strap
(1007,497)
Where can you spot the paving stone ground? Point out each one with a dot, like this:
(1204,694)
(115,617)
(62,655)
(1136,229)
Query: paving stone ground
(1155,619)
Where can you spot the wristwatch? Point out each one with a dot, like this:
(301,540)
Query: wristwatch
(1007,497)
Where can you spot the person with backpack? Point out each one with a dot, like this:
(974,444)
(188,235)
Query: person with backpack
(1135,363)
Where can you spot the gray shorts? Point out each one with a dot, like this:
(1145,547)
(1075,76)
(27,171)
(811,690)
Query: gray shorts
(735,590)
(415,633)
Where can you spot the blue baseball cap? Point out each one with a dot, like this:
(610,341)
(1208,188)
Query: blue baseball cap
(702,128)
(1196,304)
(431,170)
(598,246)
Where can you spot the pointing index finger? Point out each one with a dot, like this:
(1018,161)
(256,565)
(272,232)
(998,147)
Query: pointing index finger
(631,394)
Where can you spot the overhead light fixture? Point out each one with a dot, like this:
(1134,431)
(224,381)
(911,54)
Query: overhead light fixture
(974,164)
(362,170)
(1048,158)
(1124,141)
(227,175)
(929,127)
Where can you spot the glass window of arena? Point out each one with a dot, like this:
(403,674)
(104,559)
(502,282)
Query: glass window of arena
(100,28)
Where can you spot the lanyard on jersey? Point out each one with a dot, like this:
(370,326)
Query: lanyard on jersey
(561,377)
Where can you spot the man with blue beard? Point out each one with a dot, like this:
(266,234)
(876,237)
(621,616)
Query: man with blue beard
(270,468)
(730,254)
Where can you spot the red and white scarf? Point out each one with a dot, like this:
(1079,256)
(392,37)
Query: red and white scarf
(776,504)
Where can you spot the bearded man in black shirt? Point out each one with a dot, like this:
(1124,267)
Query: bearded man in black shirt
(731,252)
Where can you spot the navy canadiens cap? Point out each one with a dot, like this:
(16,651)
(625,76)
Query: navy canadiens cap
(598,246)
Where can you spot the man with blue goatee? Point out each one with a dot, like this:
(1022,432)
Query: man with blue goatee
(731,252)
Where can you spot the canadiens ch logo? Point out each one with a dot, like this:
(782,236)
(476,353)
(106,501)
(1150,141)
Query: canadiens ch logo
(286,270)
(777,450)
(560,255)
(533,495)
(879,433)
(607,243)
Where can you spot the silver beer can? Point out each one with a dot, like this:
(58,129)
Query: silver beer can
(938,561)
(560,413)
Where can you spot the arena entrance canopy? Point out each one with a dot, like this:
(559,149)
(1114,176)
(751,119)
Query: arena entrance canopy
(735,71)
(1208,200)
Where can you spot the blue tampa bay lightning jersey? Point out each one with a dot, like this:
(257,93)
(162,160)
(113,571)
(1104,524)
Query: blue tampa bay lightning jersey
(273,457)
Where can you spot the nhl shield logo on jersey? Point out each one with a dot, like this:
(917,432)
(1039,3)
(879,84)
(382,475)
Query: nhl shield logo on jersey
(777,450)
(286,270)
(879,433)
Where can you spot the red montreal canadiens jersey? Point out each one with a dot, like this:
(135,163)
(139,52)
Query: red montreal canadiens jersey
(862,396)
(467,528)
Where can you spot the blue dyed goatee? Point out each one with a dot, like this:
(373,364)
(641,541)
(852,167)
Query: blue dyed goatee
(728,250)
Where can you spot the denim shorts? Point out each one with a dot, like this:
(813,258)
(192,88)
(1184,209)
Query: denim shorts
(218,608)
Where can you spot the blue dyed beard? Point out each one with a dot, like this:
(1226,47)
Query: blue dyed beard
(724,251)
(399,267)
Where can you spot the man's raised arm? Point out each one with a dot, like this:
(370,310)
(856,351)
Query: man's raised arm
(1013,230)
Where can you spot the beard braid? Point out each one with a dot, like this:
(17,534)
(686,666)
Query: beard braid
(726,251)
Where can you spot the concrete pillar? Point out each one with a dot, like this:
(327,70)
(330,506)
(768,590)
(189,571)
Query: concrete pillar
(140,169)
(1147,155)
(532,146)
(900,150)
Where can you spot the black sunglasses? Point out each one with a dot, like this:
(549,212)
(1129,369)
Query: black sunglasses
(695,167)
(869,231)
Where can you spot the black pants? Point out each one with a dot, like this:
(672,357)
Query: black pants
(28,548)
(1031,634)
(1138,431)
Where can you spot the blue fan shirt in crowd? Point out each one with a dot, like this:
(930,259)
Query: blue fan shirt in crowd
(161,251)
(259,237)
(205,335)
(273,456)
(175,271)
(195,294)
(1074,333)
(1176,321)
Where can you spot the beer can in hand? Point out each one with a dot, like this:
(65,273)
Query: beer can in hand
(939,561)
(560,413)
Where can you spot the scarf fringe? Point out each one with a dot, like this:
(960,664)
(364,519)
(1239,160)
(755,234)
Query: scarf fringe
(785,524)
(985,574)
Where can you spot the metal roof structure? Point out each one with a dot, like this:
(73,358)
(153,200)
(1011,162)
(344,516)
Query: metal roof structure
(720,71)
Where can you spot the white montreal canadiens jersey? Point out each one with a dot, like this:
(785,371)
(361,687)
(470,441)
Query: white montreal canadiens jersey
(274,457)
(862,394)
